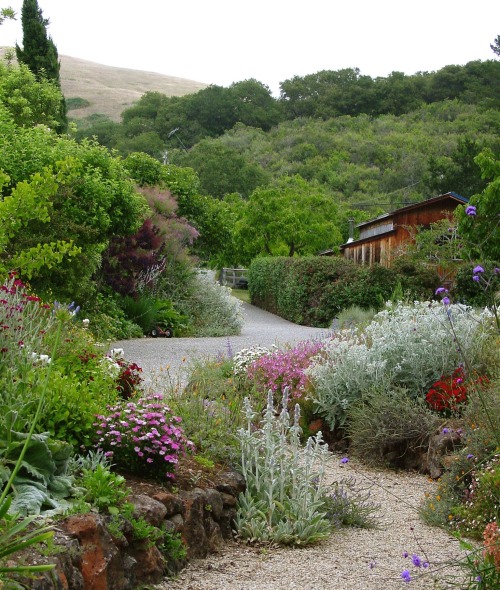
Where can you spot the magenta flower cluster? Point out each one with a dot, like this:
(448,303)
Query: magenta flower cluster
(284,368)
(142,436)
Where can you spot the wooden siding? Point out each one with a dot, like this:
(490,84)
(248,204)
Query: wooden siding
(384,238)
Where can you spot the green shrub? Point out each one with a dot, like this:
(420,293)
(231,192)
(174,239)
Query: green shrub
(405,346)
(355,316)
(390,427)
(71,406)
(150,312)
(211,409)
(313,290)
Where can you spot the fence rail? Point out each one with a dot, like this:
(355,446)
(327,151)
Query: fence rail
(234,277)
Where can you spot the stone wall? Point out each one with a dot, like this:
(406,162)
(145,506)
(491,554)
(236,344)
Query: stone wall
(92,556)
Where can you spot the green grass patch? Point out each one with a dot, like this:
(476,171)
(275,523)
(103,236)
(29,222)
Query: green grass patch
(241,294)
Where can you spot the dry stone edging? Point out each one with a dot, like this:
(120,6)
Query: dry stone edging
(94,558)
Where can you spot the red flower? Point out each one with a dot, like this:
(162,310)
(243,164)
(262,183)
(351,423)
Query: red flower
(449,392)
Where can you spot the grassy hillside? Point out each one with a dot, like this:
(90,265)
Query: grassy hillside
(109,90)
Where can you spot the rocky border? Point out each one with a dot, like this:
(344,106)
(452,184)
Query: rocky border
(89,556)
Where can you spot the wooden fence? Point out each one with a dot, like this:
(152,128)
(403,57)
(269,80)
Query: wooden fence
(234,277)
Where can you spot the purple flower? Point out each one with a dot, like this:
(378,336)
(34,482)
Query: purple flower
(446,301)
(405,554)
(417,562)
(405,574)
(471,210)
(445,430)
(470,456)
(344,460)
(496,270)
(476,278)
(440,290)
(478,269)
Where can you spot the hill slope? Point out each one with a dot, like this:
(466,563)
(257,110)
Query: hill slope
(111,90)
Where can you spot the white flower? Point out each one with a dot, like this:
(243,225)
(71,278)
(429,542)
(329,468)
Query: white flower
(86,322)
(117,353)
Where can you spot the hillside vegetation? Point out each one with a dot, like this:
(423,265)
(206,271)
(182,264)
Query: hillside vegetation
(107,90)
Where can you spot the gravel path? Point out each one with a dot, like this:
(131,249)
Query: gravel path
(165,358)
(352,559)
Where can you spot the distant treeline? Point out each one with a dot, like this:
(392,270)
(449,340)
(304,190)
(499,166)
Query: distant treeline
(158,123)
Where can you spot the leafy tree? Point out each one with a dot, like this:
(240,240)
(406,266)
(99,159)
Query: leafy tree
(39,52)
(221,169)
(459,172)
(7,13)
(291,218)
(29,101)
(481,232)
(101,128)
(254,105)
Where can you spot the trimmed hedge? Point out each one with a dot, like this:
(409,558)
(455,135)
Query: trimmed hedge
(313,290)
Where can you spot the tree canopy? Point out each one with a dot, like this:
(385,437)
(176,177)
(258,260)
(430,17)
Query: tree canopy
(39,52)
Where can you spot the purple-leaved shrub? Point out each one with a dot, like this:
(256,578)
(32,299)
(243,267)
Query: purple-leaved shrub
(142,436)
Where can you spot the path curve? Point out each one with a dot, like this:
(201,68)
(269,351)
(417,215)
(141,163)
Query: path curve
(155,355)
(351,559)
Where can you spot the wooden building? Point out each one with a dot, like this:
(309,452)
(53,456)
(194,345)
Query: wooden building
(381,238)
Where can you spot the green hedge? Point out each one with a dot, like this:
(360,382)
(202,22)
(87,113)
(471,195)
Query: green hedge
(313,290)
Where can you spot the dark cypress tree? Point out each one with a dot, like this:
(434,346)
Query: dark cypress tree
(39,52)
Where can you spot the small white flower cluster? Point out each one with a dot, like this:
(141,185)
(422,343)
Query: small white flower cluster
(41,359)
(246,356)
(110,364)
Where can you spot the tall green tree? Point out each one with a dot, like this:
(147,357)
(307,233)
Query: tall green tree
(292,218)
(39,52)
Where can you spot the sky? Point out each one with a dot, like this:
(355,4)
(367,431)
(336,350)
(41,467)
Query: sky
(226,41)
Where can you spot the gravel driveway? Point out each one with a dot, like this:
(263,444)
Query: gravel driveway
(351,559)
(159,356)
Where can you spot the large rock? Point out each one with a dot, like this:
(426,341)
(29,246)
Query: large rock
(440,446)
(103,566)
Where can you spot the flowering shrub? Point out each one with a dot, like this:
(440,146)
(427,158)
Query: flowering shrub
(284,368)
(142,436)
(482,504)
(129,378)
(405,346)
(246,356)
(491,538)
(448,392)
(24,321)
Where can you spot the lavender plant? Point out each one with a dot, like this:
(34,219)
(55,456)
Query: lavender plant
(284,501)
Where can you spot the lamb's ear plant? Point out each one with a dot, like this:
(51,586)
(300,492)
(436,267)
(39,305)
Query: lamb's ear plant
(284,501)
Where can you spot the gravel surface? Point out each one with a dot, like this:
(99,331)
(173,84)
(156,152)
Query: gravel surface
(166,358)
(352,559)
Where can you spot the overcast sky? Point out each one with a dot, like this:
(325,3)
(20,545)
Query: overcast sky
(225,41)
